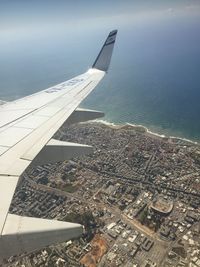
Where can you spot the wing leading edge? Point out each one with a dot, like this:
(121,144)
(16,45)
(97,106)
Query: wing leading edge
(26,129)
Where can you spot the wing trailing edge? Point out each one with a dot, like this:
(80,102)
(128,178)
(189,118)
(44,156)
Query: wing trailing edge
(57,150)
(25,234)
(81,115)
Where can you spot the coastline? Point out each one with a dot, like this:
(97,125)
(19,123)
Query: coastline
(143,129)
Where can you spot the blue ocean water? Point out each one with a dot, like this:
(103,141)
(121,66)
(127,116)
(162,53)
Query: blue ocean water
(154,78)
(157,83)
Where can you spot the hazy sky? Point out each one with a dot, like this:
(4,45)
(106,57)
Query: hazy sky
(39,15)
(44,32)
(39,21)
(29,29)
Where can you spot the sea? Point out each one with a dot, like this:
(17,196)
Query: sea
(153,80)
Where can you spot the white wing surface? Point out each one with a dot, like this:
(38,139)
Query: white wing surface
(26,129)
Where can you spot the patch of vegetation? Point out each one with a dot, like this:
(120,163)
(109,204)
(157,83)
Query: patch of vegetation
(69,188)
(154,222)
(67,176)
(180,251)
(43,180)
(143,216)
(196,157)
(86,219)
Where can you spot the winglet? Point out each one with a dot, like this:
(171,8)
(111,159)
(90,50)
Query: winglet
(102,62)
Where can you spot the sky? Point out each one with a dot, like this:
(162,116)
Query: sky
(35,21)
(40,19)
(23,16)
(44,30)
(38,36)
(45,21)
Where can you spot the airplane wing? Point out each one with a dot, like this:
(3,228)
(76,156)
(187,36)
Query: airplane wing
(2,102)
(26,129)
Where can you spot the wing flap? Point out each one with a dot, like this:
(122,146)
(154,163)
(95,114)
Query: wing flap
(7,189)
(56,150)
(25,234)
(81,115)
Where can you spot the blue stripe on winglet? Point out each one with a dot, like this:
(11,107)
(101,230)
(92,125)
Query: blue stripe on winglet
(102,61)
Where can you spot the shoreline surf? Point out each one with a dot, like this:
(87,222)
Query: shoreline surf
(143,129)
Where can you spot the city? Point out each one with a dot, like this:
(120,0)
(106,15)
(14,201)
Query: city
(137,196)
